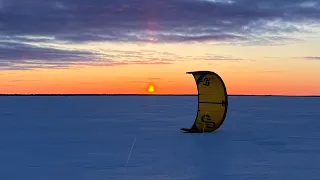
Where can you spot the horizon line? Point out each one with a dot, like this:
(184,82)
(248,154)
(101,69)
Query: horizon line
(89,94)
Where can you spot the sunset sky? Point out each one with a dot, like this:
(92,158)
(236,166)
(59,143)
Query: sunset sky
(121,46)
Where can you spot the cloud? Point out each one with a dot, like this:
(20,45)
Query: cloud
(308,58)
(15,51)
(23,24)
(147,80)
(221,58)
(155,20)
(154,79)
(312,57)
(23,56)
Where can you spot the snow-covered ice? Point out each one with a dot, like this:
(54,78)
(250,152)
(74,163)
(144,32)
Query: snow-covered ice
(139,138)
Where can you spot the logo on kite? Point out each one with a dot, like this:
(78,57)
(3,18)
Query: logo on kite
(206,119)
(206,81)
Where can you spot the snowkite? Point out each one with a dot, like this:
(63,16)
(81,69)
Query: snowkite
(212,102)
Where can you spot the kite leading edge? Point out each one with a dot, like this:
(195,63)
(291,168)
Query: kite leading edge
(212,102)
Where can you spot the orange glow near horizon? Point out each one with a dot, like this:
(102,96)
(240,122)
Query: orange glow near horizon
(278,76)
(98,80)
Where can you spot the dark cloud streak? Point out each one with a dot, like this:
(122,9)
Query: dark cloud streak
(21,56)
(312,57)
(16,51)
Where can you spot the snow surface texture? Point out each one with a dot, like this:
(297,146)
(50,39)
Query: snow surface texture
(138,138)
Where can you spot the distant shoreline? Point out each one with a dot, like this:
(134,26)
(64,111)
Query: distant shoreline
(148,95)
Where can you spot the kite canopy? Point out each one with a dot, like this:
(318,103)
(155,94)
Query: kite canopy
(212,102)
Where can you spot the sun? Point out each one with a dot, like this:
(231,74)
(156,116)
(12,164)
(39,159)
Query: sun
(151,88)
